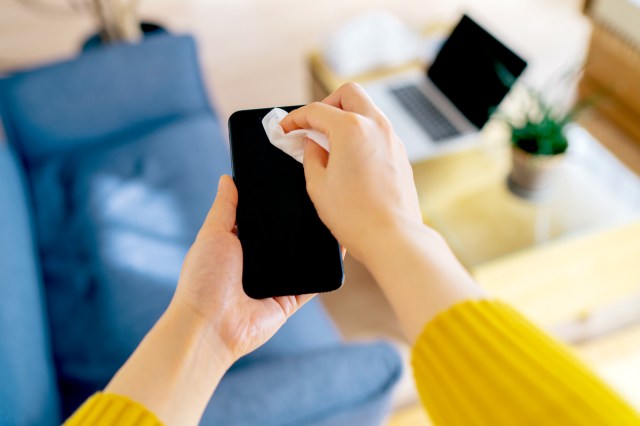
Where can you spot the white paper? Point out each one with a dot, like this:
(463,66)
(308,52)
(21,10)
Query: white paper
(291,143)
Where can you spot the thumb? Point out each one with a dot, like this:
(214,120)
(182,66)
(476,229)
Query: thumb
(315,163)
(222,216)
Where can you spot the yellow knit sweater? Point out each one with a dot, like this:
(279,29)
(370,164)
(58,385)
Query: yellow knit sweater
(478,363)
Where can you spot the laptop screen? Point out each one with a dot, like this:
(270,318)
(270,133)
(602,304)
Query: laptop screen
(475,71)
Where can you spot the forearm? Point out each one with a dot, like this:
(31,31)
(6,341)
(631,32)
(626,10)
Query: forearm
(419,274)
(176,368)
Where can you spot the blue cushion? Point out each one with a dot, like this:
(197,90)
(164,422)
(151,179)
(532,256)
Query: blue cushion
(115,224)
(28,392)
(337,386)
(109,93)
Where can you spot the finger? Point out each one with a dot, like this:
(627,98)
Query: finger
(317,116)
(352,97)
(304,298)
(314,162)
(291,304)
(222,216)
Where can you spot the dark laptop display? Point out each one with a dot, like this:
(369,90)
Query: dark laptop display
(475,71)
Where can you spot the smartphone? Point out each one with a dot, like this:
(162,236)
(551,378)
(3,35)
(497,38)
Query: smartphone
(287,250)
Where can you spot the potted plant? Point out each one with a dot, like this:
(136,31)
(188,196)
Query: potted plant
(538,145)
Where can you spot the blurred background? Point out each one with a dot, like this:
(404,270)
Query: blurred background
(254,53)
(569,261)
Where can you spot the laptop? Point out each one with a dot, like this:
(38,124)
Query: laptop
(443,109)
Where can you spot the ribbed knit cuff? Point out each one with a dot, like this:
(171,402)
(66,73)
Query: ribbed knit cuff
(111,409)
(482,363)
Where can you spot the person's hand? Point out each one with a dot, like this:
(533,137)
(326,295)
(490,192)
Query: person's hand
(364,192)
(209,324)
(210,283)
(366,184)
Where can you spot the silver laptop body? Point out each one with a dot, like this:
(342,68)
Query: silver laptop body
(442,110)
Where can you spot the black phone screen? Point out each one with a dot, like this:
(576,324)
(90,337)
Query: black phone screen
(287,249)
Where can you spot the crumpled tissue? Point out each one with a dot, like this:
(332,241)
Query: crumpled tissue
(291,143)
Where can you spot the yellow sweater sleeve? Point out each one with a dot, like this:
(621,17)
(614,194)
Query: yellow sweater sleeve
(482,363)
(106,409)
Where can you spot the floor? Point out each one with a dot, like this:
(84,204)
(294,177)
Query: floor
(254,55)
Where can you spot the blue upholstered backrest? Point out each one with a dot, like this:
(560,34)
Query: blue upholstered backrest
(28,392)
(123,153)
(110,92)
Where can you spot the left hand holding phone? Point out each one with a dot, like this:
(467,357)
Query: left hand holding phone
(209,324)
(211,282)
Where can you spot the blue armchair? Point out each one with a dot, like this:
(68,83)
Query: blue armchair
(111,166)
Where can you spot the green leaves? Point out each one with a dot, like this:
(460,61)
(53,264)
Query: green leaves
(543,137)
(542,132)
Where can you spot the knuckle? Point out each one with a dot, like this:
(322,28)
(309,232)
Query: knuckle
(315,105)
(350,87)
(290,308)
(357,123)
(384,124)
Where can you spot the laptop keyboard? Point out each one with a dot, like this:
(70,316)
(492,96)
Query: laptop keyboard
(428,116)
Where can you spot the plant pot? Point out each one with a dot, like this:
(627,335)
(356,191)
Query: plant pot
(533,176)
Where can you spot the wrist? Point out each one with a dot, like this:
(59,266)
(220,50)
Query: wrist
(419,274)
(201,333)
(176,368)
(390,240)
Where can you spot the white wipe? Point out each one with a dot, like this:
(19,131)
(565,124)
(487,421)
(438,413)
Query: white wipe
(291,143)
